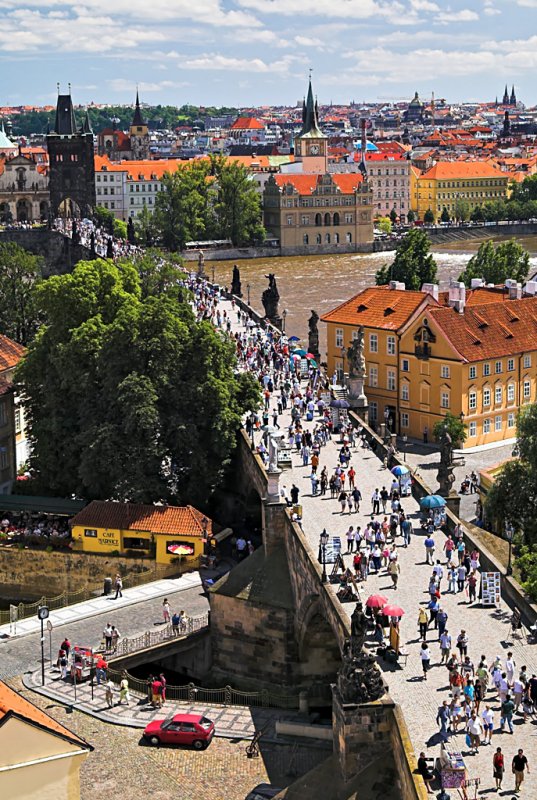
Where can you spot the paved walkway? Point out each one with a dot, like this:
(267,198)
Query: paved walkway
(230,721)
(488,629)
(100,605)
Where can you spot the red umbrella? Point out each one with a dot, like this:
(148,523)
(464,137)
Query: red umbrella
(309,355)
(376,601)
(392,611)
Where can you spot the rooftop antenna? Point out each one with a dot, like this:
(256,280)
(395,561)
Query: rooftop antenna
(69,87)
(58,87)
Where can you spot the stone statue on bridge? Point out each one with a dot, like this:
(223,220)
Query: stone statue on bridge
(236,282)
(355,356)
(313,335)
(359,679)
(270,299)
(445,476)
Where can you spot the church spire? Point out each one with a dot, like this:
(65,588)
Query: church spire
(86,125)
(505,101)
(310,121)
(512,99)
(137,119)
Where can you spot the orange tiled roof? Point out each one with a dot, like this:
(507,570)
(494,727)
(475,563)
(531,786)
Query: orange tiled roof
(176,520)
(10,353)
(378,307)
(491,330)
(347,183)
(248,124)
(11,702)
(445,170)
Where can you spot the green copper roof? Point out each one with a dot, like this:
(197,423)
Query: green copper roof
(310,120)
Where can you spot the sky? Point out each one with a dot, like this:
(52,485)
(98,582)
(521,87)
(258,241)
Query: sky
(259,52)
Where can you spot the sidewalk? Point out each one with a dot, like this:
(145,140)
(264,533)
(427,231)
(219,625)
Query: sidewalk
(231,722)
(100,605)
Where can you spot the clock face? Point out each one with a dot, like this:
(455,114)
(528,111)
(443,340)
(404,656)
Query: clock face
(314,149)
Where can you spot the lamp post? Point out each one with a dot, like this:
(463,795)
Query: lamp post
(284,315)
(42,615)
(248,292)
(509,531)
(343,351)
(323,541)
(252,427)
(405,439)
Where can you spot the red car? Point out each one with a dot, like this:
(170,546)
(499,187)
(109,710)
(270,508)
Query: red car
(191,729)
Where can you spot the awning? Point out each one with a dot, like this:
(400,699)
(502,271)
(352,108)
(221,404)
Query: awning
(45,505)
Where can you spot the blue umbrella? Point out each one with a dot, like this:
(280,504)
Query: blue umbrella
(432,501)
(294,339)
(339,403)
(399,470)
(301,353)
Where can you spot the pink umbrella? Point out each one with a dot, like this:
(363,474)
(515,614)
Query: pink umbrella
(392,611)
(376,601)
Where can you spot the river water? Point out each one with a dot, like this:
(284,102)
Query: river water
(322,282)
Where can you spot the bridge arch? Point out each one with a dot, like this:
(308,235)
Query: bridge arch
(318,649)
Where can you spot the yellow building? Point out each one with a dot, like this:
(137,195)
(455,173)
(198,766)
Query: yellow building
(472,353)
(449,183)
(167,532)
(40,759)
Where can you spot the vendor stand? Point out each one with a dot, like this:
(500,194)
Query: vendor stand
(82,662)
(451,768)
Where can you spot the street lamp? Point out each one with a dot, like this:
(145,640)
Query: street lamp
(248,292)
(323,541)
(509,532)
(284,315)
(387,419)
(252,427)
(405,439)
(343,351)
(42,615)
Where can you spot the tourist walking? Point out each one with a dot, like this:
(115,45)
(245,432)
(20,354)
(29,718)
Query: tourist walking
(119,586)
(375,502)
(442,718)
(520,765)
(109,693)
(474,728)
(394,571)
(429,549)
(506,712)
(487,715)
(423,623)
(425,655)
(498,768)
(124,689)
(107,635)
(166,611)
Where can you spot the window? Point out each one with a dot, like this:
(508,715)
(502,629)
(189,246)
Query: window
(472,429)
(18,423)
(444,371)
(527,362)
(486,397)
(498,423)
(290,220)
(390,379)
(511,419)
(373,412)
(405,366)
(444,399)
(348,238)
(373,376)
(339,337)
(498,395)
(390,345)
(91,533)
(404,420)
(486,426)
(305,238)
(510,364)
(527,390)
(486,369)
(373,343)
(510,392)
(472,401)
(405,391)
(472,373)
(498,367)
(305,220)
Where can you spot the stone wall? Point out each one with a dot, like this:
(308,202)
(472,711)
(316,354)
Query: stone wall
(32,574)
(190,655)
(58,251)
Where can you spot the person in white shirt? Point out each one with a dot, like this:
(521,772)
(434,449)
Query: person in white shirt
(503,687)
(488,724)
(518,691)
(474,727)
(510,665)
(350,539)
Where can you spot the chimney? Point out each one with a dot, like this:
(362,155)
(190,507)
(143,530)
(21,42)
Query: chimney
(515,289)
(430,288)
(457,296)
(531,288)
(397,286)
(477,283)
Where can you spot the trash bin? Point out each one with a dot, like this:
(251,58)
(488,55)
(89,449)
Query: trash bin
(107,586)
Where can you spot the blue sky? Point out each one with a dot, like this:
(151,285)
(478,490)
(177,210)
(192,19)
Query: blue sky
(241,52)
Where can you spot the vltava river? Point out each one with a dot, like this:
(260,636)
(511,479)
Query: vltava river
(322,282)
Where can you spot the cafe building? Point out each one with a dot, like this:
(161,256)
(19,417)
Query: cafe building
(162,532)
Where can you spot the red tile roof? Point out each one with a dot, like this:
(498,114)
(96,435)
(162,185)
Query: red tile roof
(10,353)
(491,330)
(378,307)
(248,124)
(12,703)
(347,183)
(176,520)
(443,170)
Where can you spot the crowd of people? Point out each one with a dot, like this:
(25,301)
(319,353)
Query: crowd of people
(96,238)
(28,528)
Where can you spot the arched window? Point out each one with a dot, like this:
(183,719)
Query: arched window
(319,238)
(318,220)
(336,219)
(336,238)
(306,239)
(327,238)
(348,237)
(327,219)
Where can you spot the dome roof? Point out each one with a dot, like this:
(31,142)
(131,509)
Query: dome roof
(415,101)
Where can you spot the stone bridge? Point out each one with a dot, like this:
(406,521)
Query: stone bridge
(58,251)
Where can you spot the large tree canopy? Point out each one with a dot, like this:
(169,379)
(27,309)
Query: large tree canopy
(496,264)
(127,396)
(20,272)
(413,263)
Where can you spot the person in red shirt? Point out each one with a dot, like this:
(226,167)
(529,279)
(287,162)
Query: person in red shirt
(156,691)
(351,474)
(100,670)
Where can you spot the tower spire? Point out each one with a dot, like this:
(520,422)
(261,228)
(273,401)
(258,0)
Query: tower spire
(137,119)
(310,121)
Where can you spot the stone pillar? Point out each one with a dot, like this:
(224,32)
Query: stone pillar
(274,524)
(453,502)
(357,397)
(361,733)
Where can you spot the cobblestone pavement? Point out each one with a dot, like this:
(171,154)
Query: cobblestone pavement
(488,629)
(230,721)
(20,655)
(120,766)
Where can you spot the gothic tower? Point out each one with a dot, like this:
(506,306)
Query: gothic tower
(139,134)
(72,168)
(311,143)
(505,101)
(512,99)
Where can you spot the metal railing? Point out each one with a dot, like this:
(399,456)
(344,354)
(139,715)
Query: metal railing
(24,610)
(133,644)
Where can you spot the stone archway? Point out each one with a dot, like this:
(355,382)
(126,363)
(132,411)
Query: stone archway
(68,208)
(24,210)
(318,650)
(44,210)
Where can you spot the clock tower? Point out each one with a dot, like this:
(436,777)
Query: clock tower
(311,143)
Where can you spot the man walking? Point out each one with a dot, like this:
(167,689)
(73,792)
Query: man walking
(445,646)
(506,713)
(429,549)
(375,501)
(520,765)
(442,719)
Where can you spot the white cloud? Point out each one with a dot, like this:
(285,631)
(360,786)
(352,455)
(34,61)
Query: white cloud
(490,9)
(348,9)
(124,86)
(527,3)
(465,15)
(308,41)
(424,5)
(223,63)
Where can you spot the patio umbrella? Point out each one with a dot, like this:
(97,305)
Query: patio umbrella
(376,601)
(313,363)
(301,353)
(392,611)
(339,403)
(432,501)
(399,470)
(294,338)
(295,356)
(310,355)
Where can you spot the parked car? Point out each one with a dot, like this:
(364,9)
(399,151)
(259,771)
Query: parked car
(263,791)
(189,729)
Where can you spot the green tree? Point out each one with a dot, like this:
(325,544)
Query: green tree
(410,217)
(393,216)
(455,427)
(497,264)
(525,191)
(445,215)
(20,273)
(413,263)
(104,218)
(145,227)
(461,210)
(384,224)
(478,215)
(120,229)
(238,205)
(182,205)
(428,217)
(127,396)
